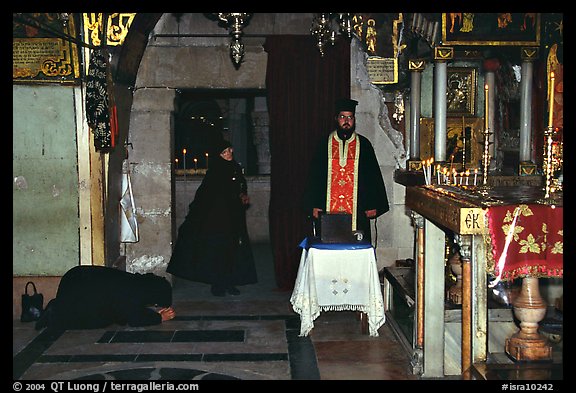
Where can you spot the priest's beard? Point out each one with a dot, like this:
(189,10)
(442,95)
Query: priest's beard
(345,133)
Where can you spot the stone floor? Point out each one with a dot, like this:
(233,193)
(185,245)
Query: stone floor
(253,336)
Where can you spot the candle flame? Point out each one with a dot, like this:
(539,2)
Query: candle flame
(184,151)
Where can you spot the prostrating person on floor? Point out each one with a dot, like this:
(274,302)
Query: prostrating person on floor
(91,297)
(213,246)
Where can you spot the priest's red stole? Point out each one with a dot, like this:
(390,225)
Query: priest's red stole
(342,188)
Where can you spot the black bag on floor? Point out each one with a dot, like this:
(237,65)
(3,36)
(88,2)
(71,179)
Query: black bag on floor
(32,305)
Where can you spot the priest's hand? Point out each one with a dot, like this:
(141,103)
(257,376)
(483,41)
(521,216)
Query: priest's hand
(316,212)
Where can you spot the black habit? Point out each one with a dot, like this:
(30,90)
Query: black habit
(91,297)
(371,188)
(213,246)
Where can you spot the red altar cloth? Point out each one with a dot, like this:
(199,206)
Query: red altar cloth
(526,240)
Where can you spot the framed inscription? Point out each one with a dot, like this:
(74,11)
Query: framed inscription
(40,54)
(382,70)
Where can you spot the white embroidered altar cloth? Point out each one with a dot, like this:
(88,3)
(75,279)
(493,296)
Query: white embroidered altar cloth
(338,280)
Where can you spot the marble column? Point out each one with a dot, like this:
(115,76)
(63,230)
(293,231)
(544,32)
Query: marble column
(416,67)
(441,57)
(527,165)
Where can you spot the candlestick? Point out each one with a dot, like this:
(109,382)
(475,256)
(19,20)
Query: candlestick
(551,103)
(184,160)
(486,102)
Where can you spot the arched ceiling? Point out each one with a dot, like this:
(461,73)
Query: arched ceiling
(126,58)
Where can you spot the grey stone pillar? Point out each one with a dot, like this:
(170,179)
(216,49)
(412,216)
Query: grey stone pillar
(151,161)
(260,121)
(416,67)
(525,111)
(527,165)
(441,56)
(490,81)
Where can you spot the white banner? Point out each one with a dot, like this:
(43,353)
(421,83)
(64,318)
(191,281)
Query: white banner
(128,222)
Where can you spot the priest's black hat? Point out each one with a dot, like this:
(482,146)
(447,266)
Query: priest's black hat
(346,105)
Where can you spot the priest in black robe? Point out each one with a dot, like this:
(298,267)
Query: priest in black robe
(91,297)
(345,176)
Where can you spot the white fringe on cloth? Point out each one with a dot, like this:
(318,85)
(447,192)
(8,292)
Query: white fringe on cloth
(338,280)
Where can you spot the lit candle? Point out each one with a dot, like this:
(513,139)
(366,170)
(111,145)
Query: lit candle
(195,164)
(461,176)
(454,175)
(551,103)
(438,173)
(467,174)
(176,160)
(475,175)
(184,154)
(206,160)
(445,175)
(486,102)
(424,171)
(431,161)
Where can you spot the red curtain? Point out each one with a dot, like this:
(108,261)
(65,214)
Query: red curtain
(302,86)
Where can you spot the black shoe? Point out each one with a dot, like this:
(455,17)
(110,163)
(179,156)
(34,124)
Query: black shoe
(233,291)
(218,291)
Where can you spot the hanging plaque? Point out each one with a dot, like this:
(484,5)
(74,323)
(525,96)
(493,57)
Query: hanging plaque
(382,70)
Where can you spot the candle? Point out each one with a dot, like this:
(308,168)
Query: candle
(551,103)
(454,174)
(195,164)
(486,102)
(206,160)
(176,160)
(430,161)
(438,173)
(445,175)
(184,154)
(475,175)
(461,176)
(467,174)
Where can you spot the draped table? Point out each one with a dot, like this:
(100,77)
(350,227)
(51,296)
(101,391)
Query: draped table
(337,277)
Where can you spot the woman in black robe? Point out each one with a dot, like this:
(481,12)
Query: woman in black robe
(213,246)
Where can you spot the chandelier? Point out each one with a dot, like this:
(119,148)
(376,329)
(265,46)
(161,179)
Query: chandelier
(235,22)
(326,27)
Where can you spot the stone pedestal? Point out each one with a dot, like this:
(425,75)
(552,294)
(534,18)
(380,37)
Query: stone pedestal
(529,307)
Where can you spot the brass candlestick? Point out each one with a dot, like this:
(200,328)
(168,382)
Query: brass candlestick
(483,189)
(547,167)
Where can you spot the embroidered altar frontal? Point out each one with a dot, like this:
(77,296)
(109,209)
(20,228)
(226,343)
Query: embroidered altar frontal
(524,236)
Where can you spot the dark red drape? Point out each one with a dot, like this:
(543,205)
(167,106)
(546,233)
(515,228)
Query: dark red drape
(302,87)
